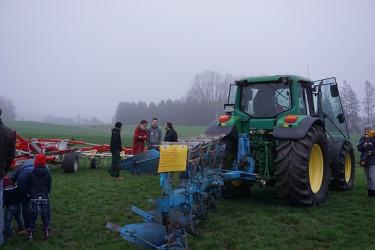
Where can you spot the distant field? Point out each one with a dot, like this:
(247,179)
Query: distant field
(92,134)
(83,202)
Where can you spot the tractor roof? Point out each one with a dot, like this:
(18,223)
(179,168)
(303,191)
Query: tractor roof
(273,78)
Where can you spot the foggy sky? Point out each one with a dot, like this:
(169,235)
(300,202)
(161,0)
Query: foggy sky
(72,57)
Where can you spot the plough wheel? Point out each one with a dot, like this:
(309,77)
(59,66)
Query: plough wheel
(70,162)
(94,163)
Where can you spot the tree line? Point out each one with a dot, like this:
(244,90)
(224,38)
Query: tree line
(204,102)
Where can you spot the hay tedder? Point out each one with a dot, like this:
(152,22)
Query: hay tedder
(66,152)
(179,209)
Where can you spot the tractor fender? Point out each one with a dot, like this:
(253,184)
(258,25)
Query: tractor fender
(230,130)
(297,132)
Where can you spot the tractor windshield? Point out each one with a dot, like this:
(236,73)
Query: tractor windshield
(265,99)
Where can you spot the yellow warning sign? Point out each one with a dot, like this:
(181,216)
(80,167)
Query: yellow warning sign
(172,158)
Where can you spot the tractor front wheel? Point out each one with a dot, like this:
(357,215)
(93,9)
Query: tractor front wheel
(343,171)
(303,168)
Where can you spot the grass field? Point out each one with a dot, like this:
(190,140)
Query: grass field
(83,202)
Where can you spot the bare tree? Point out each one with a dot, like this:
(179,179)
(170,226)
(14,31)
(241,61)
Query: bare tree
(9,110)
(351,106)
(369,102)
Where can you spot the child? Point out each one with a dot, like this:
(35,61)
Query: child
(367,141)
(12,204)
(39,182)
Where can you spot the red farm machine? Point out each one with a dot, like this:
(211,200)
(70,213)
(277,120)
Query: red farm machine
(66,152)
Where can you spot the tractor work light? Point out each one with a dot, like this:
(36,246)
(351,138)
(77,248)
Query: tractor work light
(224,118)
(291,118)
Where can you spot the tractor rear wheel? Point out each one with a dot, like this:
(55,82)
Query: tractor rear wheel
(343,171)
(303,168)
(233,188)
(70,162)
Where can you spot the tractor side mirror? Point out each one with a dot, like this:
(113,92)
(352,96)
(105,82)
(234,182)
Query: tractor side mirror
(334,90)
(341,118)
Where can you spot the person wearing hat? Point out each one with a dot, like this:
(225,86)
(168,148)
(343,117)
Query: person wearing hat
(7,154)
(12,205)
(366,146)
(39,183)
(116,147)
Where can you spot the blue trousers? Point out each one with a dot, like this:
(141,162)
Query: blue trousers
(10,212)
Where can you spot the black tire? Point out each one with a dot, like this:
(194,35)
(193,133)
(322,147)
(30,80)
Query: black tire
(94,163)
(230,152)
(70,162)
(234,188)
(343,172)
(302,168)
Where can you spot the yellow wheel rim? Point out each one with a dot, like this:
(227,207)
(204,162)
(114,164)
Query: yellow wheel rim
(348,167)
(316,168)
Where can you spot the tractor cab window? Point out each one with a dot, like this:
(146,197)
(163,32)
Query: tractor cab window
(328,105)
(265,99)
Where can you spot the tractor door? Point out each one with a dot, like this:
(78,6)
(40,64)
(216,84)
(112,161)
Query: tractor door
(328,106)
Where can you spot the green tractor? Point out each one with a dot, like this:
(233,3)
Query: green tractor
(297,138)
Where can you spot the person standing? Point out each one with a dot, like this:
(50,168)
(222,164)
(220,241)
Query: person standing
(139,138)
(369,167)
(171,134)
(12,205)
(154,135)
(116,147)
(39,184)
(7,154)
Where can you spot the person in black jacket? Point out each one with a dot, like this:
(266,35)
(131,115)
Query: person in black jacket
(19,176)
(39,183)
(12,205)
(116,147)
(7,154)
(171,134)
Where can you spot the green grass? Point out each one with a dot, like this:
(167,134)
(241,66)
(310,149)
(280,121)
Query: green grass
(83,202)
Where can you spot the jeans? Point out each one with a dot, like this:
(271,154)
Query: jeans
(42,207)
(10,212)
(1,213)
(370,175)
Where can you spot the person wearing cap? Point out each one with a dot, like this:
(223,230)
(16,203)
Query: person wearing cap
(368,147)
(7,154)
(39,183)
(171,134)
(154,135)
(12,205)
(116,147)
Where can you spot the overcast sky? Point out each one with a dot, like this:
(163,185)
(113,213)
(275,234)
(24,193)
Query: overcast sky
(69,57)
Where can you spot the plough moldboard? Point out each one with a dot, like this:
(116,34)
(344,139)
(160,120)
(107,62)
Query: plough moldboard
(178,210)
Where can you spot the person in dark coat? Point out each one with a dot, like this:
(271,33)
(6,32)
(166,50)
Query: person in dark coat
(19,176)
(7,154)
(12,205)
(116,147)
(369,167)
(171,134)
(39,183)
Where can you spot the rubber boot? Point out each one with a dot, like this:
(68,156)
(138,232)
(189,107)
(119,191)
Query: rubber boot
(30,235)
(47,232)
(371,193)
